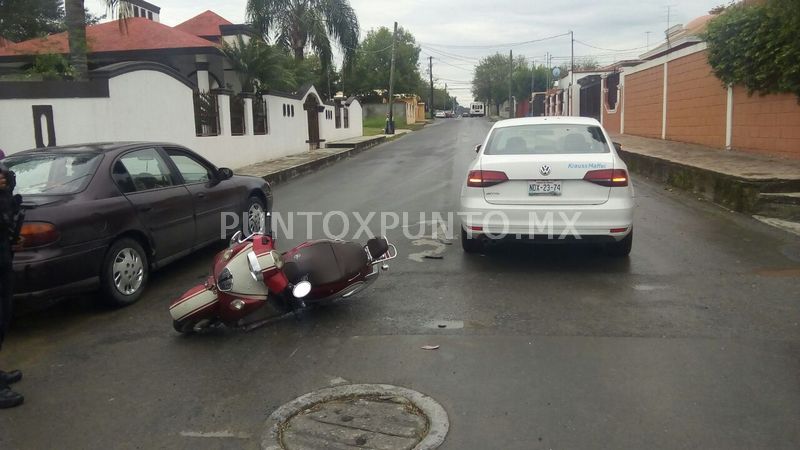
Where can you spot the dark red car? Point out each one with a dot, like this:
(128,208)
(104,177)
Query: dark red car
(104,215)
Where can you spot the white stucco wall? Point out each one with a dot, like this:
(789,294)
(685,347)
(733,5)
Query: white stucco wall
(328,130)
(148,105)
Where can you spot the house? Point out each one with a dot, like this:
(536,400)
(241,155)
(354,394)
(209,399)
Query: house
(150,81)
(188,48)
(415,108)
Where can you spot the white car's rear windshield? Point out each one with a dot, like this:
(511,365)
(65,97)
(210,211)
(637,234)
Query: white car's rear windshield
(546,139)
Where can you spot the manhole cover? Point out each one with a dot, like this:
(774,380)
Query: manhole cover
(358,416)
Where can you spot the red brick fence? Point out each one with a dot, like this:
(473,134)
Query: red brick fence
(677,97)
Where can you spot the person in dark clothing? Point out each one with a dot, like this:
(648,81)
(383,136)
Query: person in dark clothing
(10,222)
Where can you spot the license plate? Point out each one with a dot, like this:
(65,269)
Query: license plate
(544,187)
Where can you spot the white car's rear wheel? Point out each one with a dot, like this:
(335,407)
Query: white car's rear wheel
(470,244)
(621,249)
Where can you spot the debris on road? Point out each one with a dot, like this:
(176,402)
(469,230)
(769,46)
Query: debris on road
(430,347)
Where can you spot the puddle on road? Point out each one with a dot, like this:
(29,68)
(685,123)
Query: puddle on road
(648,287)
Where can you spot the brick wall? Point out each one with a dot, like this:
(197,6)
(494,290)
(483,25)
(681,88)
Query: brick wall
(766,124)
(644,93)
(696,102)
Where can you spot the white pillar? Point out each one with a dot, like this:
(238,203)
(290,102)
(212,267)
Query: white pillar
(621,93)
(202,77)
(224,102)
(729,119)
(248,116)
(664,106)
(603,95)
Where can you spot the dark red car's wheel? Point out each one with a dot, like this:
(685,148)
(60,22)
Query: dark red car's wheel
(124,274)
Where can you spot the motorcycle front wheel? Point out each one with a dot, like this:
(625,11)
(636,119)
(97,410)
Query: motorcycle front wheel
(185,327)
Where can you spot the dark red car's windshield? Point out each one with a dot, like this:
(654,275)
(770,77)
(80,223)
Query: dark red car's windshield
(53,173)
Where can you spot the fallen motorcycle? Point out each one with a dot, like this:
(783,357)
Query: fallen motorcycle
(251,282)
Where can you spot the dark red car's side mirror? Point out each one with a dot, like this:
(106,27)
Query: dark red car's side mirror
(224,173)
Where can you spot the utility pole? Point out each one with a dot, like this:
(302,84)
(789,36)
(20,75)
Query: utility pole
(511,112)
(430,72)
(547,64)
(533,86)
(390,123)
(571,72)
(647,40)
(329,82)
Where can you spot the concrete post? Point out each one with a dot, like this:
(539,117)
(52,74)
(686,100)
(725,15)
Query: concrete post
(248,116)
(664,105)
(202,76)
(729,119)
(622,99)
(603,95)
(224,103)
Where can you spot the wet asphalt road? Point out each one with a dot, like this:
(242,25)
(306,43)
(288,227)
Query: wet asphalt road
(693,342)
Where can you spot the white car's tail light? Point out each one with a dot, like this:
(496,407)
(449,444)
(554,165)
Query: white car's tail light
(485,178)
(607,177)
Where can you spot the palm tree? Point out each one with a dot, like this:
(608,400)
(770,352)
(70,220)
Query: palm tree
(75,20)
(300,24)
(258,65)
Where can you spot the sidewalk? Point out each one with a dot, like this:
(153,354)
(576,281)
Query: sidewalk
(744,182)
(280,170)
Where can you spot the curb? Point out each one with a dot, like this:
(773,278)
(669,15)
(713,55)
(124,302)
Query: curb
(736,193)
(290,173)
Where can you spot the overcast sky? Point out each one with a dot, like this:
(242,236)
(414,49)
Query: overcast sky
(445,29)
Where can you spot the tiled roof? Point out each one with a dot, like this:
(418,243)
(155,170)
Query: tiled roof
(135,33)
(4,42)
(204,24)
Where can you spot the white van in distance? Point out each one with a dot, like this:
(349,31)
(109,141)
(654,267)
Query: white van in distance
(476,109)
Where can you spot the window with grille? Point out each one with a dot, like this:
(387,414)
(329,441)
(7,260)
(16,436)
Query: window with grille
(260,124)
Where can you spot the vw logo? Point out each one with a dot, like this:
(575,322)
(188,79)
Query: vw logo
(545,170)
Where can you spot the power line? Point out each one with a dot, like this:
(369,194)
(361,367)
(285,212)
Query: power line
(610,49)
(462,58)
(505,45)
(359,49)
(451,65)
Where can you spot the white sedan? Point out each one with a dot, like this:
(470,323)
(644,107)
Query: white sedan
(548,178)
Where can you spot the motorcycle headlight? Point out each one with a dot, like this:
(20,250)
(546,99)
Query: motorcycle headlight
(225,281)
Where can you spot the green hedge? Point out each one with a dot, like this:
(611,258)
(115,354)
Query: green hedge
(757,46)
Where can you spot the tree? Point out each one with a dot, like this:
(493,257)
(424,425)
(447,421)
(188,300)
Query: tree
(757,46)
(490,81)
(21,20)
(373,62)
(301,24)
(76,19)
(76,34)
(258,65)
(441,99)
(311,71)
